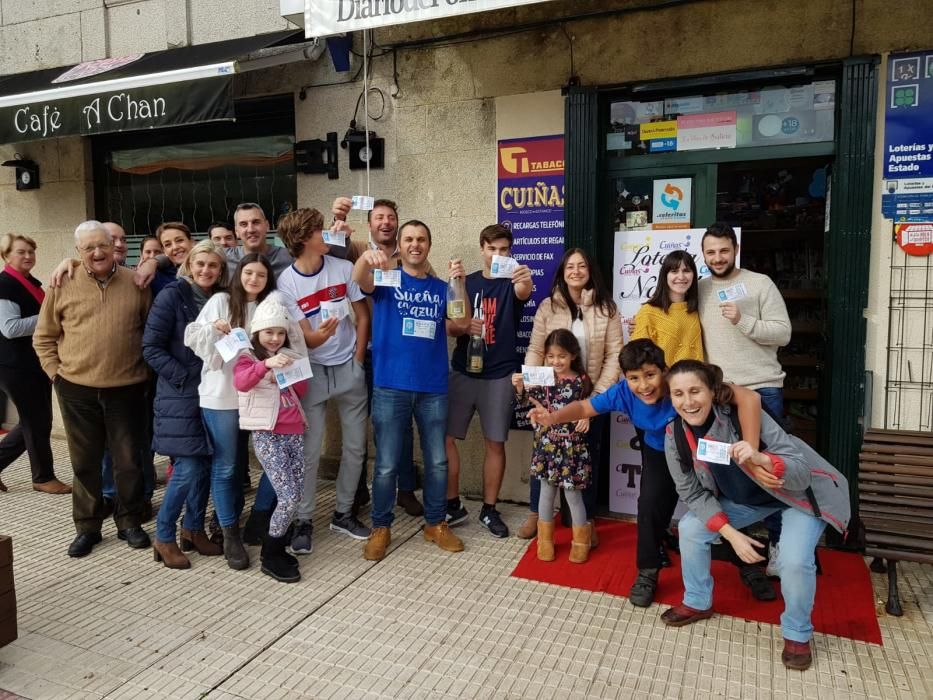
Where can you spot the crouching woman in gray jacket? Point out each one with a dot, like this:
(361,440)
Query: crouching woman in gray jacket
(728,484)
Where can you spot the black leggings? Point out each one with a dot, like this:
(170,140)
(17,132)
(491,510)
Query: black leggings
(31,393)
(657,500)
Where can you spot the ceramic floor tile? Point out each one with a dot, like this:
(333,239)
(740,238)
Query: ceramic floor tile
(421,623)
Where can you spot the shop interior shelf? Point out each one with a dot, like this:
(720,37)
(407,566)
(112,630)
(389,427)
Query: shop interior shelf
(806,326)
(802,293)
(799,360)
(800,394)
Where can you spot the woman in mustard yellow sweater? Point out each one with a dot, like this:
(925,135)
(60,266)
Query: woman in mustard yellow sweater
(669,318)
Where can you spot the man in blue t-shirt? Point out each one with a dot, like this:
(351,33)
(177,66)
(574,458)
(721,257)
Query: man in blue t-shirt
(409,378)
(486,390)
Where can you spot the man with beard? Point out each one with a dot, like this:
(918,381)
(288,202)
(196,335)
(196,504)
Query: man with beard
(382,221)
(744,322)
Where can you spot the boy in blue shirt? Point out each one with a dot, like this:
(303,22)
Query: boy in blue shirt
(642,396)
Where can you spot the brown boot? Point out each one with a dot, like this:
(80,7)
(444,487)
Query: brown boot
(197,539)
(580,547)
(376,545)
(594,538)
(169,554)
(529,528)
(441,535)
(53,486)
(545,540)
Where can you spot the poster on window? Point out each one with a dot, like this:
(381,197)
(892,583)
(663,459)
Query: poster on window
(637,260)
(531,203)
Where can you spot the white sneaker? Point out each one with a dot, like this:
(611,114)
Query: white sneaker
(772,568)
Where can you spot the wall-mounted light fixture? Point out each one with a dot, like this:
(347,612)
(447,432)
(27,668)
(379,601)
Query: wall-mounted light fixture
(27,172)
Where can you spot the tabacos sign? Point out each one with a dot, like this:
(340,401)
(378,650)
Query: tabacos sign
(326,17)
(124,110)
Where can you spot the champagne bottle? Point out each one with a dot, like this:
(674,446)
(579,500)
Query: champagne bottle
(456,298)
(477,345)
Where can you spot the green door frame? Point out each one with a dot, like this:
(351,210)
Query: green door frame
(587,225)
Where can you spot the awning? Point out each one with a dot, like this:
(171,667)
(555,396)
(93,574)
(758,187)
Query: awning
(143,91)
(327,17)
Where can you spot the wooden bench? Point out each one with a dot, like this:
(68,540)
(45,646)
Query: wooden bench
(896,502)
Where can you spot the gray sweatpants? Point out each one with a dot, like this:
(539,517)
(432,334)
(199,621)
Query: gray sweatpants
(345,385)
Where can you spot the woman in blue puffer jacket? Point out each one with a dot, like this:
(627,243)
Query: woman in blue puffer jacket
(178,430)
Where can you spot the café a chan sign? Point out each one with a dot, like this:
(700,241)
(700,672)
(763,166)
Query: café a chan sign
(327,17)
(144,107)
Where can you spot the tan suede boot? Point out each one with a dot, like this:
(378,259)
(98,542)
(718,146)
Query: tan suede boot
(545,541)
(529,528)
(580,548)
(169,554)
(376,545)
(441,535)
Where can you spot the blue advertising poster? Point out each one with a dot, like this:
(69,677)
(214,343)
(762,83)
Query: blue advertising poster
(531,204)
(907,194)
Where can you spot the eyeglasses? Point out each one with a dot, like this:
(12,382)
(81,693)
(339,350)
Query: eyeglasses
(103,247)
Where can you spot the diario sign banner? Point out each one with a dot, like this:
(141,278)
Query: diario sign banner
(147,107)
(327,17)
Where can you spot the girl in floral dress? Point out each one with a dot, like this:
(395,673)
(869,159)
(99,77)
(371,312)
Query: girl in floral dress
(560,457)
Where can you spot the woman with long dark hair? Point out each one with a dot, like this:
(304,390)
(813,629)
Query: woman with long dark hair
(252,282)
(728,484)
(582,303)
(669,318)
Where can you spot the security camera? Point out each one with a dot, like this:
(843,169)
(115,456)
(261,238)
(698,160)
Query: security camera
(315,49)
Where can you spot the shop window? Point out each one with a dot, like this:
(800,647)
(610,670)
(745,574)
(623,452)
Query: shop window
(198,175)
(772,115)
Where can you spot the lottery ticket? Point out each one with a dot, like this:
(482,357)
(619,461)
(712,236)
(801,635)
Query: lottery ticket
(295,372)
(387,278)
(713,451)
(335,238)
(334,309)
(231,344)
(538,376)
(502,266)
(733,293)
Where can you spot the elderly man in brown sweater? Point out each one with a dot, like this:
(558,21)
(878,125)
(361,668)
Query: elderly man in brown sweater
(89,342)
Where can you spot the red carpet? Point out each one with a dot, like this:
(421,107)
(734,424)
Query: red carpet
(844,596)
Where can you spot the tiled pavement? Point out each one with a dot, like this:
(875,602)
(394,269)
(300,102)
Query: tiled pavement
(420,624)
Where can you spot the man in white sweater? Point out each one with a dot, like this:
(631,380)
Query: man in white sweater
(744,320)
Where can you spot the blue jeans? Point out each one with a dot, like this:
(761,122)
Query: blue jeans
(796,562)
(407,472)
(772,400)
(106,474)
(189,487)
(226,483)
(265,500)
(392,413)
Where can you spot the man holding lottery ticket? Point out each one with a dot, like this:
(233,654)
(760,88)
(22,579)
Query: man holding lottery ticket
(319,291)
(410,368)
(498,292)
(744,320)
(382,221)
